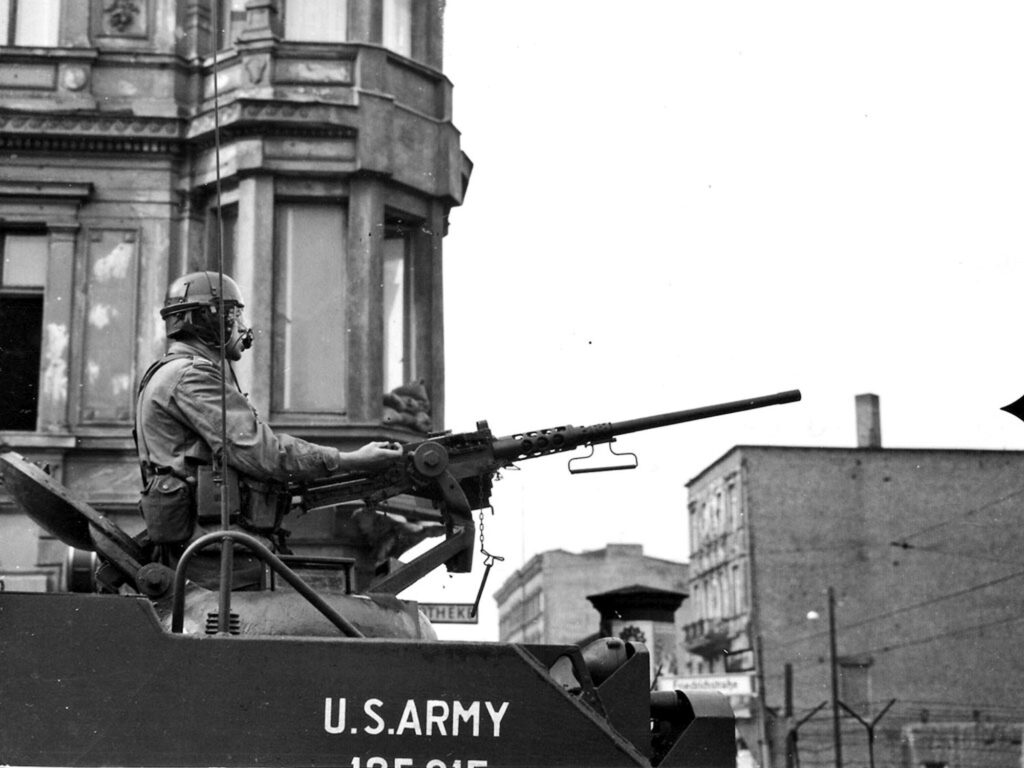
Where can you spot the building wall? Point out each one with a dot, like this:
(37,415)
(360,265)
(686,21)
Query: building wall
(919,547)
(546,600)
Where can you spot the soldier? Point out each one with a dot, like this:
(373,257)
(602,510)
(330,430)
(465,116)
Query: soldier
(178,427)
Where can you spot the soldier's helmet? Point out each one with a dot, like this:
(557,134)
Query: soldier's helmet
(193,302)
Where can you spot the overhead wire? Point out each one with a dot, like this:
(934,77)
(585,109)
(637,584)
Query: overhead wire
(966,513)
(911,607)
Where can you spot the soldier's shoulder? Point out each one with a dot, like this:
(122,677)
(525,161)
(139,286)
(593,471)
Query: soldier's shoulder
(183,365)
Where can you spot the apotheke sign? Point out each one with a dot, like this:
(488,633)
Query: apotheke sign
(449,613)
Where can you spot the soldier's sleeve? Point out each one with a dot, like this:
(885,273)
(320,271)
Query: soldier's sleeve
(253,447)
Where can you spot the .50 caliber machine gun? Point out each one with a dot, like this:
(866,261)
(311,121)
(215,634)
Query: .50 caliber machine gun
(456,472)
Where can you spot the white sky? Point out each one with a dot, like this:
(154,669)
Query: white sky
(683,202)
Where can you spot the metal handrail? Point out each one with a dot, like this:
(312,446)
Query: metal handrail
(263,553)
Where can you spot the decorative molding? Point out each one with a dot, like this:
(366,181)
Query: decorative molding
(96,133)
(51,189)
(49,133)
(124,18)
(264,116)
(121,14)
(90,125)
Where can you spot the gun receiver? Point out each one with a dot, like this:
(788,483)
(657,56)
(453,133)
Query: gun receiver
(456,472)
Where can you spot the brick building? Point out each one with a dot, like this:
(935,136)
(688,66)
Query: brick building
(338,164)
(546,601)
(921,550)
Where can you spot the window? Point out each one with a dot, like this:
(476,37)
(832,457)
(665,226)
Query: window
(316,20)
(309,313)
(394,313)
(399,306)
(230,21)
(739,587)
(22,281)
(29,22)
(398,26)
(855,681)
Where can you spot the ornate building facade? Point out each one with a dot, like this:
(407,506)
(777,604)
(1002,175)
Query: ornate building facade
(307,145)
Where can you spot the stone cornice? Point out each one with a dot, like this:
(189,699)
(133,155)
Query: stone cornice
(89,133)
(85,132)
(245,116)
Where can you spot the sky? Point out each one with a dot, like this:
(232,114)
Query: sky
(676,203)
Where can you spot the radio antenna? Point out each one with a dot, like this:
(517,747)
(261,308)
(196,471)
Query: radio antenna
(220,459)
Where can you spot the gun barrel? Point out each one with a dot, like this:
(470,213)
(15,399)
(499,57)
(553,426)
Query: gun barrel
(546,441)
(705,412)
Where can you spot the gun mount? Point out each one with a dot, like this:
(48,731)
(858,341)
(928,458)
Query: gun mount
(456,472)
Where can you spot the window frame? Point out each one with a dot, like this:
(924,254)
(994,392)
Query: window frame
(9,31)
(279,410)
(404,228)
(23,293)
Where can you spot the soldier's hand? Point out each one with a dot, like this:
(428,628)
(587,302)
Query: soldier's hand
(375,455)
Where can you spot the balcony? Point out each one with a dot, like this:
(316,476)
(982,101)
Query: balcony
(708,638)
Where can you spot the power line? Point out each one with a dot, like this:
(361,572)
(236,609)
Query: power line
(967,513)
(933,549)
(912,606)
(940,635)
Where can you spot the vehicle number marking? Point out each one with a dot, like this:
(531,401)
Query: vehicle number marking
(407,762)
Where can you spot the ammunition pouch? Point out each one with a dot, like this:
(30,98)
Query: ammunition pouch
(169,509)
(254,506)
(264,505)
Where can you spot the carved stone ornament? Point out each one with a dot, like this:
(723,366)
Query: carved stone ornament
(74,78)
(121,18)
(121,14)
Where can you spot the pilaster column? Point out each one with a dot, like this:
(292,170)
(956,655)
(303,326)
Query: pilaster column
(254,264)
(364,313)
(434,343)
(364,21)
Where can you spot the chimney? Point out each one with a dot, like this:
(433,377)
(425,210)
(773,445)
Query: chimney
(869,422)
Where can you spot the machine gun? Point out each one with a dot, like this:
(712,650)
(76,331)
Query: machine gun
(456,472)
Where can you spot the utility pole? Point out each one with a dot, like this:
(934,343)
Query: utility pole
(837,739)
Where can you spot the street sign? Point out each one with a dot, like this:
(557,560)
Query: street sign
(729,685)
(449,613)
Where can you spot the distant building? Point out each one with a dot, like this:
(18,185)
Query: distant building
(922,549)
(338,165)
(546,601)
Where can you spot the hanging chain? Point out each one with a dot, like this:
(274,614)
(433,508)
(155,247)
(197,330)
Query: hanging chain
(488,557)
(489,560)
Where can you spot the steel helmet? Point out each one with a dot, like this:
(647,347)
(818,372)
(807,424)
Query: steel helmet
(199,289)
(192,304)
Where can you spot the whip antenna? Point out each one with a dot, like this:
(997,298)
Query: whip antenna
(220,459)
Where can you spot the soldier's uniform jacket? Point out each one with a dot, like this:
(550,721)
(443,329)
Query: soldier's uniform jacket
(178,423)
(178,429)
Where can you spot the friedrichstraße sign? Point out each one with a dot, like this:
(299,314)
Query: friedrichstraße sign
(449,613)
(729,685)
